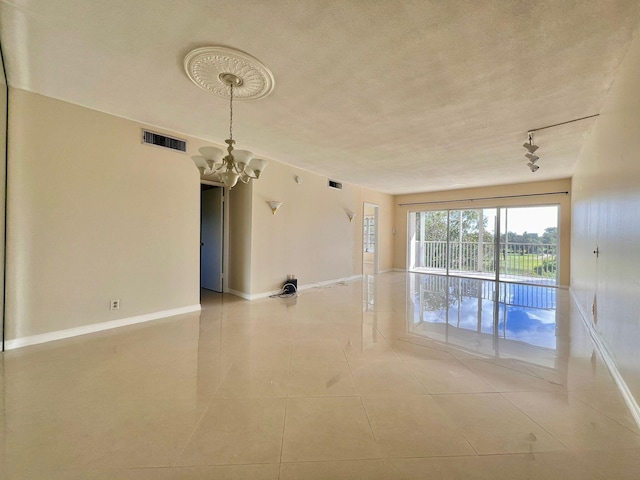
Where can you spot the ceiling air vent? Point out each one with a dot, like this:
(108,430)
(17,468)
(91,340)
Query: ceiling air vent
(334,184)
(163,141)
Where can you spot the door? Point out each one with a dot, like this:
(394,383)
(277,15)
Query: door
(211,237)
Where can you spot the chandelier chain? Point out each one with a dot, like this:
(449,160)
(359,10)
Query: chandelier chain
(231,112)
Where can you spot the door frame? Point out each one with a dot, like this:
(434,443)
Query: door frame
(225,236)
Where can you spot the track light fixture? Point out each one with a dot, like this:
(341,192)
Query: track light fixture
(531,148)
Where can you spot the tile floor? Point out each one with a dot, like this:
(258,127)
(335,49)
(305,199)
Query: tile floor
(384,378)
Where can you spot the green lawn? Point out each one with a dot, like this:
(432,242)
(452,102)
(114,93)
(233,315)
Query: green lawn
(529,264)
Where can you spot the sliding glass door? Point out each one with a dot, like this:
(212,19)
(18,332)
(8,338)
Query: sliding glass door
(464,243)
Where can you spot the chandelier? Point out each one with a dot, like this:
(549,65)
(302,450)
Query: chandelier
(226,72)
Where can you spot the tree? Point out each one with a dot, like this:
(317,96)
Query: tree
(550,236)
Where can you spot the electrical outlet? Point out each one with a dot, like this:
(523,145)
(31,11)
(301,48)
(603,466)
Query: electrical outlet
(115,304)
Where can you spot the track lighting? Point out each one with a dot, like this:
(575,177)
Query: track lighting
(531,148)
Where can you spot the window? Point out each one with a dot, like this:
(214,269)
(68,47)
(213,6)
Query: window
(369,234)
(464,242)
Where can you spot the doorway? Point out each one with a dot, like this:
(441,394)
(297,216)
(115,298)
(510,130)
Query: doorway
(370,239)
(211,237)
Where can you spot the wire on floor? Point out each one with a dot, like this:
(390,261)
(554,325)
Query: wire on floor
(288,290)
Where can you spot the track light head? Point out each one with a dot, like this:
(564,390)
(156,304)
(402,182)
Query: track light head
(532,158)
(529,144)
(533,167)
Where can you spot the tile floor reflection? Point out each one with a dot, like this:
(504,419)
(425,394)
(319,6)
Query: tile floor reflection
(397,376)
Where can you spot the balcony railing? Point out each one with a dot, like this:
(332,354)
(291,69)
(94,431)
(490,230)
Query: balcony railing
(519,259)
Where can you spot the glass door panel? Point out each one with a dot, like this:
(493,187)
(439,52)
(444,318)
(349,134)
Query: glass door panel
(428,241)
(529,244)
(472,242)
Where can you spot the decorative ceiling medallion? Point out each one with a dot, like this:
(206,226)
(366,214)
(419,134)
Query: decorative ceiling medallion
(207,67)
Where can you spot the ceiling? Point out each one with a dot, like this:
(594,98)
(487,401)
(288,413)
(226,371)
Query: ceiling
(399,96)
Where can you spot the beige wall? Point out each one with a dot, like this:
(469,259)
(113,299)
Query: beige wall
(239,248)
(310,236)
(606,214)
(94,215)
(564,201)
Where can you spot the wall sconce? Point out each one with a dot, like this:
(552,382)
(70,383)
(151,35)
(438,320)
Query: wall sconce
(351,215)
(274,206)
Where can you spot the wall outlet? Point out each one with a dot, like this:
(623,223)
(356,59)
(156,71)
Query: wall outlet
(115,304)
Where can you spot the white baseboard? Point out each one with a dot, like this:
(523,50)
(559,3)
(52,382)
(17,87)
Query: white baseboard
(237,293)
(608,360)
(96,327)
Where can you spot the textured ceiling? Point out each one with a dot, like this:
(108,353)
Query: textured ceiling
(398,96)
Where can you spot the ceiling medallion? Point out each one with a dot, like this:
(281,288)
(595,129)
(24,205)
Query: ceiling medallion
(210,68)
(229,74)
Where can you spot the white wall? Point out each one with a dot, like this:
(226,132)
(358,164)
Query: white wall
(94,215)
(606,214)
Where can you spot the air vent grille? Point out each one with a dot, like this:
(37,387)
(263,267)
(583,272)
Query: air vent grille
(334,184)
(163,141)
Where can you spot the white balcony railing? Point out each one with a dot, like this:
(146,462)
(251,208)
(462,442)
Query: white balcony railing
(521,259)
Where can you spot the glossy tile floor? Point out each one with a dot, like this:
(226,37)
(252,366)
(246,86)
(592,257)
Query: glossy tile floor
(393,377)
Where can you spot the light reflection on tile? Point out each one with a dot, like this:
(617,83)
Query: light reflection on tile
(339,382)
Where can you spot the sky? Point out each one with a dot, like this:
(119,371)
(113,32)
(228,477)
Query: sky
(529,219)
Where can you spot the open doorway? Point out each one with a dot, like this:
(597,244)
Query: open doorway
(370,239)
(212,237)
